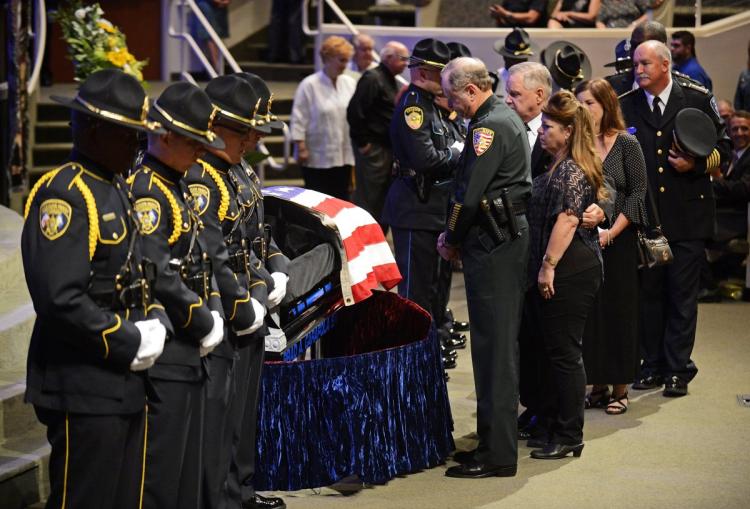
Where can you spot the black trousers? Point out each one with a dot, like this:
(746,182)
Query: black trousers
(426,276)
(669,312)
(373,173)
(173,446)
(495,282)
(563,321)
(96,460)
(244,414)
(332,181)
(217,430)
(534,364)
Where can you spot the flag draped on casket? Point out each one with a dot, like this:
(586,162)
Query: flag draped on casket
(367,260)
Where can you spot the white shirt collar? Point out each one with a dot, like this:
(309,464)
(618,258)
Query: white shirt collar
(663,96)
(533,132)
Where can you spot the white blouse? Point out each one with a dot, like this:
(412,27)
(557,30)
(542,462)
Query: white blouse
(319,118)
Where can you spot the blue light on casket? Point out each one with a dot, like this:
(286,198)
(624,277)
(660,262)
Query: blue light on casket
(310,300)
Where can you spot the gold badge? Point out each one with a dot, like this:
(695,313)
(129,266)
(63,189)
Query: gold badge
(54,218)
(482,138)
(148,212)
(202,197)
(414,117)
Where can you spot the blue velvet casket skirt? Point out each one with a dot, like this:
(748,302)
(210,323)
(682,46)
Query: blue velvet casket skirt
(376,406)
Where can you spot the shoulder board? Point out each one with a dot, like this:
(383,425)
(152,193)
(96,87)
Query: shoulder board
(62,177)
(687,82)
(626,94)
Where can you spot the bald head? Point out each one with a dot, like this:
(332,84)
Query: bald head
(652,65)
(394,56)
(466,84)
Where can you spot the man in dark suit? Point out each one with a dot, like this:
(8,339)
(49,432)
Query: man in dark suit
(681,189)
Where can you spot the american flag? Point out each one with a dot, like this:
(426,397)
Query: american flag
(367,259)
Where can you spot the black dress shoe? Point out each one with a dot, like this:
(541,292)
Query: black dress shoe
(556,451)
(675,387)
(476,470)
(459,326)
(453,343)
(449,363)
(464,456)
(648,382)
(260,502)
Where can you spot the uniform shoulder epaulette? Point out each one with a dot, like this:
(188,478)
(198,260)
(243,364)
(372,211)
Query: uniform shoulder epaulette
(687,82)
(64,179)
(625,94)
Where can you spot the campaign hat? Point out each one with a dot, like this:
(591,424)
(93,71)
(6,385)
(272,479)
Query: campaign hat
(516,45)
(458,49)
(430,53)
(265,116)
(236,101)
(623,61)
(567,63)
(114,96)
(185,109)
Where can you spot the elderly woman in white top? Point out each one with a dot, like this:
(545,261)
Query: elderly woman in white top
(319,127)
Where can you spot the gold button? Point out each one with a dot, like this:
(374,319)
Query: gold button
(659,151)
(114,235)
(661,170)
(658,133)
(184,225)
(701,197)
(661,189)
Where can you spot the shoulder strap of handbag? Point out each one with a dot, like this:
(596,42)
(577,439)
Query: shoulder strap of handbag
(652,202)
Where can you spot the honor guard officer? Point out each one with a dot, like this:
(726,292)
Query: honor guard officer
(97,329)
(487,228)
(425,160)
(171,239)
(681,190)
(243,293)
(274,269)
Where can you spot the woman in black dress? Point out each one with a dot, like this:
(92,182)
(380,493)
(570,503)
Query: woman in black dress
(610,342)
(565,263)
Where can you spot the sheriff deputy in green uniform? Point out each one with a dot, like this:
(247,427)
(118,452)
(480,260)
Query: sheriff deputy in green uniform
(172,240)
(95,332)
(487,228)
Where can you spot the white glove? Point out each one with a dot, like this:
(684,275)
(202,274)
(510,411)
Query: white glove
(213,338)
(260,313)
(153,335)
(279,289)
(458,145)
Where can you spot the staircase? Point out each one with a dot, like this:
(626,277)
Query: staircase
(23,446)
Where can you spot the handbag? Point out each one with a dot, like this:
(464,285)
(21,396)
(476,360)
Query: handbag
(653,248)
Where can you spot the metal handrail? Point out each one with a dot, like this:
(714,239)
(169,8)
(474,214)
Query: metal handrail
(40,41)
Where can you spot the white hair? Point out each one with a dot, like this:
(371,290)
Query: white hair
(535,75)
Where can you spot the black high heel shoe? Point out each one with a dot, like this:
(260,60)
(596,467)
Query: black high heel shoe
(557,451)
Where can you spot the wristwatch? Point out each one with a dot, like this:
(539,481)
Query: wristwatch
(552,261)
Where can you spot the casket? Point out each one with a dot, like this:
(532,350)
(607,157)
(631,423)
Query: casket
(369,398)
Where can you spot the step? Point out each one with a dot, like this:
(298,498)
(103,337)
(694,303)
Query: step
(50,154)
(23,470)
(278,72)
(52,131)
(48,110)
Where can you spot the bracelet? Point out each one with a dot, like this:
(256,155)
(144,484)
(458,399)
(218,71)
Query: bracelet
(549,259)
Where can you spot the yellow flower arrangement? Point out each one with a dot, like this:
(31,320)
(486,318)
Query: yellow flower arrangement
(94,43)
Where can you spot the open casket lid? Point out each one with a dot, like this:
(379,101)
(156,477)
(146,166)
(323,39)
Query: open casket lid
(364,260)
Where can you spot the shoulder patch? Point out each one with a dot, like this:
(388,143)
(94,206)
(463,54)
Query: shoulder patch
(414,117)
(148,212)
(54,218)
(202,197)
(482,137)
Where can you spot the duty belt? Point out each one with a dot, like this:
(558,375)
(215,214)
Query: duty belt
(120,295)
(239,261)
(502,211)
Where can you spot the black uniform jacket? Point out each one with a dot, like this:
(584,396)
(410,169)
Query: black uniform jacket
(732,196)
(685,201)
(496,156)
(421,141)
(221,213)
(75,241)
(371,107)
(167,230)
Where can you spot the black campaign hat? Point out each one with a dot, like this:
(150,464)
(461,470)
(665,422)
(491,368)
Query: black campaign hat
(567,63)
(264,117)
(186,110)
(430,53)
(694,132)
(236,101)
(516,45)
(114,96)
(623,62)
(458,49)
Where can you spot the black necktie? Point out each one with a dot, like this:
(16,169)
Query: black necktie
(657,112)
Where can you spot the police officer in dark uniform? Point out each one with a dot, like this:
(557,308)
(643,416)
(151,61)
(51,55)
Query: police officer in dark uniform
(487,228)
(273,267)
(417,202)
(681,189)
(97,328)
(171,239)
(243,292)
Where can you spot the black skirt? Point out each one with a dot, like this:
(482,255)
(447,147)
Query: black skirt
(610,340)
